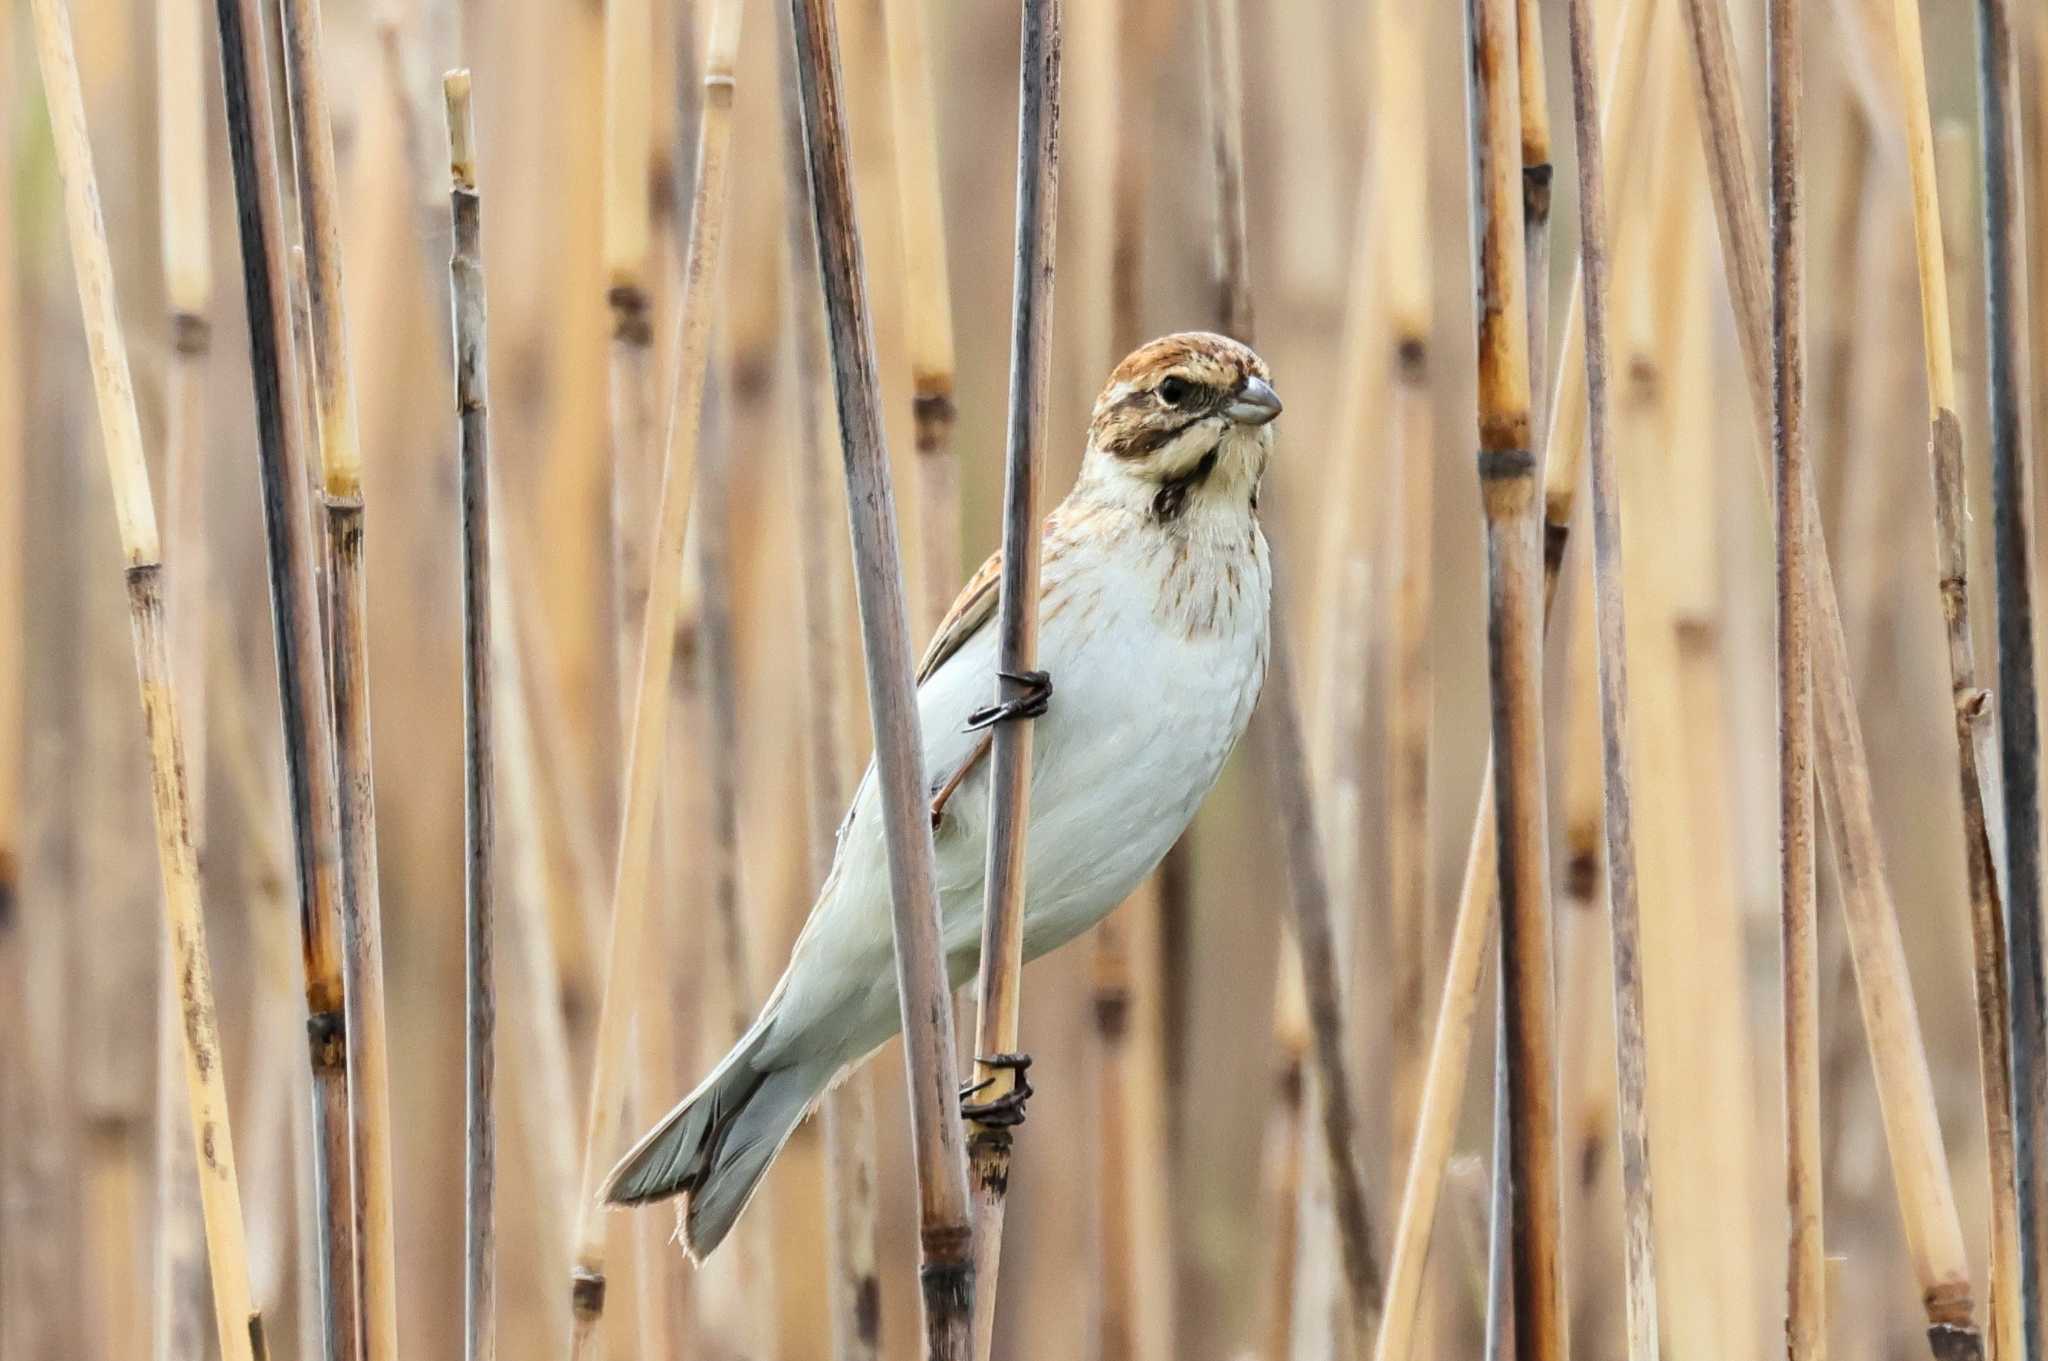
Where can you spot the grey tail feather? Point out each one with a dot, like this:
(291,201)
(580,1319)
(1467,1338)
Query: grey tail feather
(715,1147)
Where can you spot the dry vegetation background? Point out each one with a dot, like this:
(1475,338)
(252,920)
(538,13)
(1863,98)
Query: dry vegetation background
(1331,161)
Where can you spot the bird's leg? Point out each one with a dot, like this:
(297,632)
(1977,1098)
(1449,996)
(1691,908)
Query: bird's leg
(1007,1110)
(1033,702)
(953,782)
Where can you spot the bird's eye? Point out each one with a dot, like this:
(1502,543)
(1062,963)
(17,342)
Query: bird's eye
(1174,391)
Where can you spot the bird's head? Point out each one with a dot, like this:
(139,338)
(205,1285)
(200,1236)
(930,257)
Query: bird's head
(1185,415)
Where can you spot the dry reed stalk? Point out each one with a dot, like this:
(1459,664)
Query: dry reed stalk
(1533,109)
(2019,725)
(239,1327)
(946,1230)
(1230,258)
(341,465)
(649,712)
(1890,1014)
(295,613)
(1507,476)
(998,1078)
(1277,723)
(1975,733)
(928,307)
(1806,1299)
(1285,1136)
(179,1278)
(1631,1061)
(848,1113)
(479,744)
(628,244)
(1410,314)
(1451,1040)
(1533,100)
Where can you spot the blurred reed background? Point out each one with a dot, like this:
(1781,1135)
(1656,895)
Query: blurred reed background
(1170,1195)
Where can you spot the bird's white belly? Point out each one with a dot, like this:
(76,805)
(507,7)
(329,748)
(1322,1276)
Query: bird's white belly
(1143,716)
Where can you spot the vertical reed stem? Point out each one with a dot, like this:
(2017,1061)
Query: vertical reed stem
(1002,931)
(849,1110)
(2019,723)
(647,738)
(1507,474)
(928,307)
(302,678)
(240,1328)
(1890,1014)
(946,1230)
(179,1279)
(348,617)
(1806,1266)
(1974,728)
(1631,1063)
(479,747)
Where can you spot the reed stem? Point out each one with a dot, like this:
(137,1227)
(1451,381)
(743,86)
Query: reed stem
(1806,1267)
(2019,734)
(651,701)
(1890,1013)
(928,307)
(1507,472)
(341,466)
(239,1327)
(1618,821)
(946,1229)
(1975,733)
(479,744)
(1002,933)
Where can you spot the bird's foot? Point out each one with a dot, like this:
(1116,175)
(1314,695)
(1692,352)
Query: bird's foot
(1035,699)
(1007,1110)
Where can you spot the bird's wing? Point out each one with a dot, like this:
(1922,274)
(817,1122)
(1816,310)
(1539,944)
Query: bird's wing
(975,606)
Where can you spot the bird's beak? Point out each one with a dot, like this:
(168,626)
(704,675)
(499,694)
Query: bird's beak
(1255,403)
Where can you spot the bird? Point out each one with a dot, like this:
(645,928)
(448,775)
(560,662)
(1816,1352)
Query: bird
(1154,602)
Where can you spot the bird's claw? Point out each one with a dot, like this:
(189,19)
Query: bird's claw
(1037,697)
(1007,1110)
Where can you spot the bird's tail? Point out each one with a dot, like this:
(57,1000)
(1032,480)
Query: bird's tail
(717,1144)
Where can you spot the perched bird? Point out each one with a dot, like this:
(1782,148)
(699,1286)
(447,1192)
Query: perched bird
(1153,609)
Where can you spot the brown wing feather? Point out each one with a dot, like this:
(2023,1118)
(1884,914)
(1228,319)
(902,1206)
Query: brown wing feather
(974,607)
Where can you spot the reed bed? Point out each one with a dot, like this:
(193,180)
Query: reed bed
(617,690)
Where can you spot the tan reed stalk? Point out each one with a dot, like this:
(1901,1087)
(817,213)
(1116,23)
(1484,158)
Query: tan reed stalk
(1974,730)
(179,1278)
(1286,1133)
(1451,1041)
(1507,474)
(945,1226)
(1410,515)
(848,1112)
(1278,723)
(628,244)
(341,464)
(656,658)
(928,306)
(1230,260)
(1890,1014)
(296,614)
(1533,107)
(1806,1268)
(998,1100)
(479,744)
(1532,87)
(1631,1062)
(240,1328)
(2005,285)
